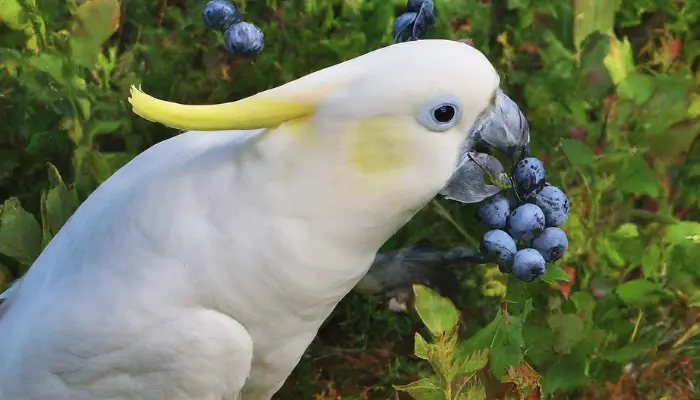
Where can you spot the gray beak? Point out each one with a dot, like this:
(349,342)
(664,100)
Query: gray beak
(504,129)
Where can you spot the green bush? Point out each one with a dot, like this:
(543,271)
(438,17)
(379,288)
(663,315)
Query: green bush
(610,89)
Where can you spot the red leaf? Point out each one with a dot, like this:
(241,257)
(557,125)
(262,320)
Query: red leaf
(565,287)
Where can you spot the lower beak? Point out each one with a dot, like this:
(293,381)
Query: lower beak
(480,175)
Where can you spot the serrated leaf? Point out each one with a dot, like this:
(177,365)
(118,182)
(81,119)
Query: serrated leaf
(555,274)
(59,208)
(95,22)
(474,362)
(640,292)
(568,331)
(437,313)
(578,153)
(619,61)
(507,344)
(421,347)
(422,389)
(20,233)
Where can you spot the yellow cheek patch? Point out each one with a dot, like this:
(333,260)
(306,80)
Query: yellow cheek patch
(379,145)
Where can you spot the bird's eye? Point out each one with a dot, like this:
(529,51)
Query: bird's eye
(441,114)
(444,114)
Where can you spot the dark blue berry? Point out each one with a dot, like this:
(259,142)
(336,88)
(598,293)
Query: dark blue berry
(244,39)
(493,212)
(529,176)
(526,222)
(552,244)
(498,246)
(220,14)
(528,265)
(554,203)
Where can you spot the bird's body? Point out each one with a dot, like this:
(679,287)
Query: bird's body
(204,267)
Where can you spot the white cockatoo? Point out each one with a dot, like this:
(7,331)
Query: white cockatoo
(204,267)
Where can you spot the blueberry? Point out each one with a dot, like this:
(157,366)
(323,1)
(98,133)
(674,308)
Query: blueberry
(552,244)
(402,30)
(528,264)
(499,246)
(526,222)
(529,176)
(494,211)
(554,203)
(220,14)
(244,39)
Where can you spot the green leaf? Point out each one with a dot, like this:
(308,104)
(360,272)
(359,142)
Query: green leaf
(507,344)
(565,373)
(95,22)
(578,153)
(421,347)
(568,331)
(585,304)
(555,274)
(636,177)
(422,389)
(640,292)
(20,234)
(59,207)
(473,392)
(619,61)
(482,339)
(683,232)
(474,362)
(651,260)
(13,15)
(437,313)
(594,16)
(636,87)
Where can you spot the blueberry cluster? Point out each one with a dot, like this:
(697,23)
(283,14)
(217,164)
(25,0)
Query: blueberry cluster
(414,22)
(240,38)
(524,223)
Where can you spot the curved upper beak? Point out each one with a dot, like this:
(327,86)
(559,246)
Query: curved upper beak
(479,175)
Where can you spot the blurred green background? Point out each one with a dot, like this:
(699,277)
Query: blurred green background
(609,87)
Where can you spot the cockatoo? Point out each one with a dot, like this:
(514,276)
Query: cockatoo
(203,268)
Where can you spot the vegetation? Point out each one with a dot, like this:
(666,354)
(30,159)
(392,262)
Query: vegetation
(609,88)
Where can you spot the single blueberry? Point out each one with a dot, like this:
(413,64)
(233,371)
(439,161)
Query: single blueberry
(244,39)
(554,203)
(402,30)
(526,222)
(528,265)
(493,212)
(220,14)
(552,244)
(498,246)
(529,176)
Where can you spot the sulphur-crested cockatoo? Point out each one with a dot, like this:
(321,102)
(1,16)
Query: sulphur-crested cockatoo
(204,267)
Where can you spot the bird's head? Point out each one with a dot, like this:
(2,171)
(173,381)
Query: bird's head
(418,111)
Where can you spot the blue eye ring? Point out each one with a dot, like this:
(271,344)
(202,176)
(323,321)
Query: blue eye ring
(441,113)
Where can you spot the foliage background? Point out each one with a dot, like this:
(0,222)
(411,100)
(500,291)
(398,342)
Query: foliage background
(609,88)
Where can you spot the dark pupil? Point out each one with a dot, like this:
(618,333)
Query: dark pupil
(444,114)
